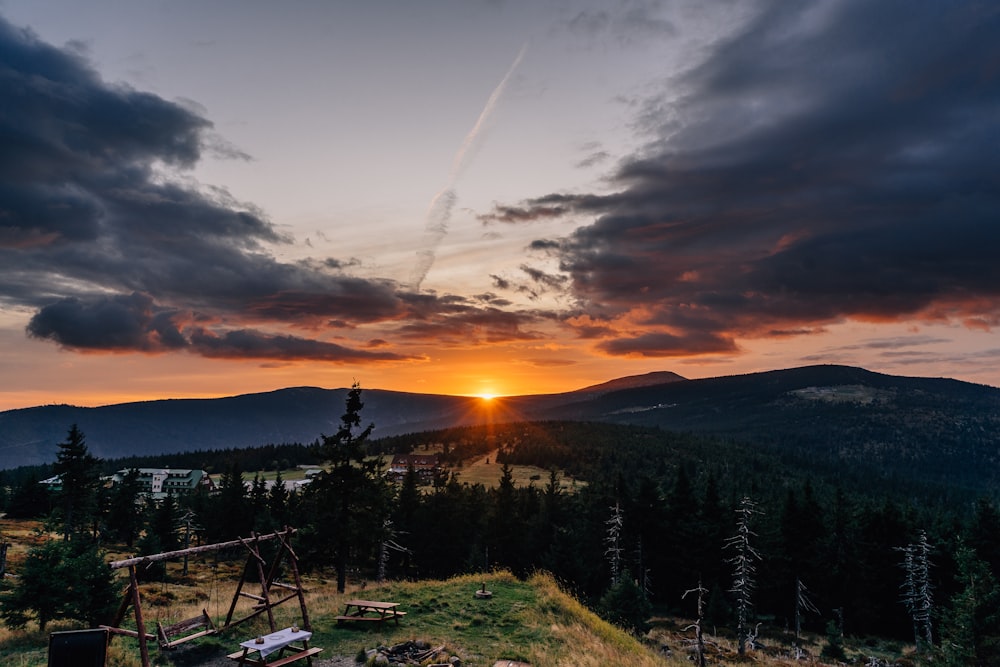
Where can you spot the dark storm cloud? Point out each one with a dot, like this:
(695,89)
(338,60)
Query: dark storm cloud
(516,214)
(544,279)
(830,161)
(115,323)
(135,323)
(460,325)
(246,343)
(667,345)
(115,251)
(538,282)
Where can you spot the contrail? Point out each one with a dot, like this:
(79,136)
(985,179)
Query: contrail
(439,211)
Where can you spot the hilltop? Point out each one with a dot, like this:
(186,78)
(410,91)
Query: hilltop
(935,430)
(531,620)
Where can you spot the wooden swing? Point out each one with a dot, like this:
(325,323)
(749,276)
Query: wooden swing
(174,635)
(199,626)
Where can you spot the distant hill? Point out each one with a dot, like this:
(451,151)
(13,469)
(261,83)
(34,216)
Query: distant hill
(30,436)
(938,430)
(632,382)
(932,429)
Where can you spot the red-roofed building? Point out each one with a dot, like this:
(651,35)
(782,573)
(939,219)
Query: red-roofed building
(425,465)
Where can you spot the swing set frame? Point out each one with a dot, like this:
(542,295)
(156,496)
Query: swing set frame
(266,601)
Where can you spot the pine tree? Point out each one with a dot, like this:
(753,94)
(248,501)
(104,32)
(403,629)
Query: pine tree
(60,580)
(124,519)
(349,501)
(91,596)
(278,502)
(79,477)
(229,513)
(40,589)
(834,648)
(970,626)
(29,500)
(505,526)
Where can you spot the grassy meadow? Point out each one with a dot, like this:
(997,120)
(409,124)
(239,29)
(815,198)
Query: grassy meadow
(532,621)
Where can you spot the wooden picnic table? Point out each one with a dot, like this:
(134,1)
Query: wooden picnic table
(255,654)
(370,610)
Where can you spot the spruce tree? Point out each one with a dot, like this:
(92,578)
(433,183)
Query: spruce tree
(124,520)
(79,477)
(970,626)
(349,501)
(40,589)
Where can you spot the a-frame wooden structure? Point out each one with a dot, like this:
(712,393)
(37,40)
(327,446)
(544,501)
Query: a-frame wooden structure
(266,601)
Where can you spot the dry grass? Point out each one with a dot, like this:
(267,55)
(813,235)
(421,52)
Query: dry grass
(534,621)
(486,471)
(592,641)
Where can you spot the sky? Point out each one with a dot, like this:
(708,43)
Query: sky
(479,197)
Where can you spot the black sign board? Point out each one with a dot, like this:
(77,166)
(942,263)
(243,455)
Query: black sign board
(78,648)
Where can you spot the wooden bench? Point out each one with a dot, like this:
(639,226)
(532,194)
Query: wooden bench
(176,634)
(370,610)
(377,619)
(306,653)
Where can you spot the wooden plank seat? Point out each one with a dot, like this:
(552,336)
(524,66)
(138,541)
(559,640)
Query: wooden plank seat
(379,619)
(173,635)
(299,655)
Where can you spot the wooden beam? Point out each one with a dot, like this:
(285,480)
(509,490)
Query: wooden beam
(169,555)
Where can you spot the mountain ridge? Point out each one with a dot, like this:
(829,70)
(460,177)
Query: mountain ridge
(937,425)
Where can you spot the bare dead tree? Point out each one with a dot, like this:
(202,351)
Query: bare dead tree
(613,542)
(918,594)
(802,605)
(645,579)
(387,545)
(697,625)
(744,568)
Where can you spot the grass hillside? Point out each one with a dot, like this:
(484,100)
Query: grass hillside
(532,621)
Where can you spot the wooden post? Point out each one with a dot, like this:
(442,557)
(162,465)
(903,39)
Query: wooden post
(293,563)
(140,625)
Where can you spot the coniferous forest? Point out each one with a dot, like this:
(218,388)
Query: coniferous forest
(651,514)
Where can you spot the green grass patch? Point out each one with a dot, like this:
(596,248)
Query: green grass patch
(532,621)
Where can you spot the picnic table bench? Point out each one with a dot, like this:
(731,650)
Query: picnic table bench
(255,654)
(371,611)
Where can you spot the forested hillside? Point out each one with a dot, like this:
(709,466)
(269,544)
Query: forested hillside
(835,529)
(901,428)
(654,516)
(941,431)
(849,475)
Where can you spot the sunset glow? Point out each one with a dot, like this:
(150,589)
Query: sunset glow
(490,199)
